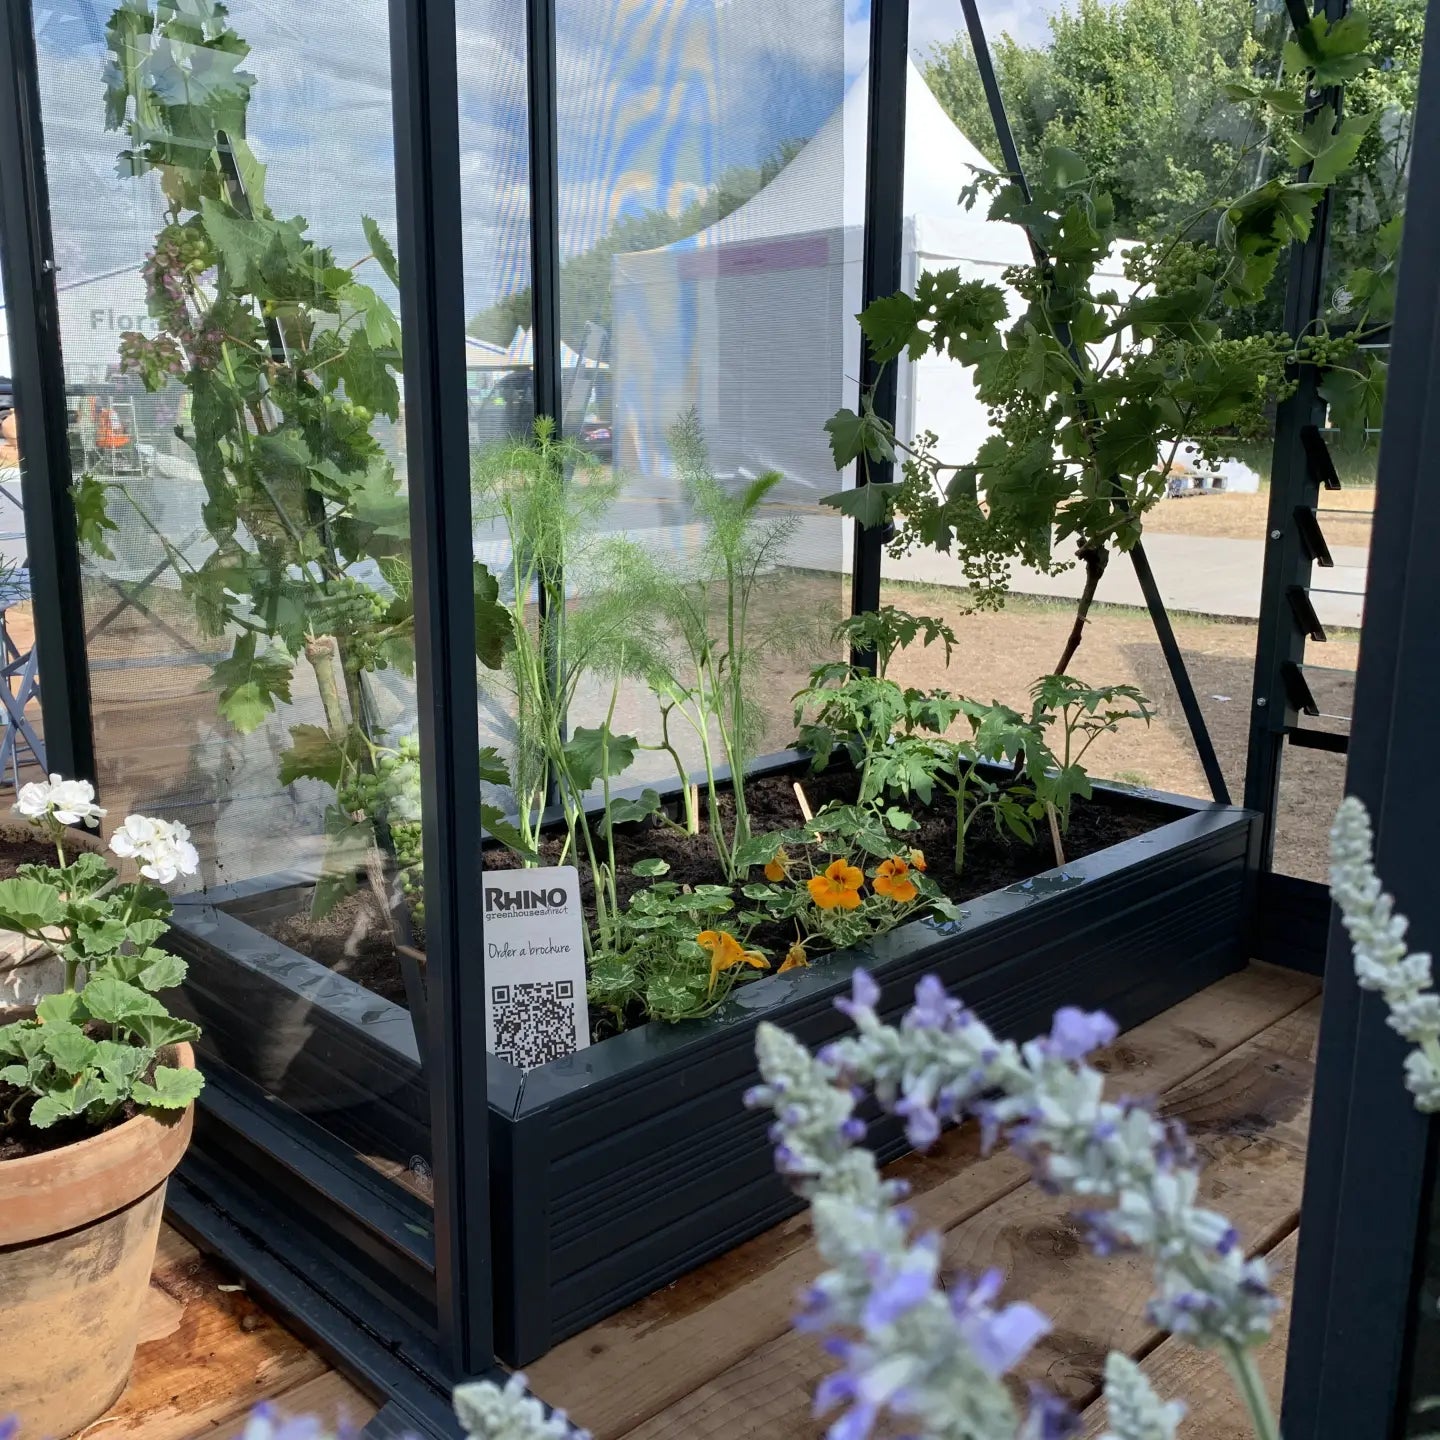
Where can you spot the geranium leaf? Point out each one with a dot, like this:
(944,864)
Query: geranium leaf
(30,905)
(172,1088)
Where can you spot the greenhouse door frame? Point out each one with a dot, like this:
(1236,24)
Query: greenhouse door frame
(325,1247)
(1371,1154)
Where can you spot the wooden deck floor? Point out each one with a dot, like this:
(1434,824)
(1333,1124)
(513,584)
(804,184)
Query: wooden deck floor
(712,1356)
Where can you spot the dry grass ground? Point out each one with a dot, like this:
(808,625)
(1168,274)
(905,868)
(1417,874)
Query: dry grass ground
(1000,655)
(1243,517)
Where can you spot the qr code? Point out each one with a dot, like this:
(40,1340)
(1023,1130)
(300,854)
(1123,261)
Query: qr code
(534,1021)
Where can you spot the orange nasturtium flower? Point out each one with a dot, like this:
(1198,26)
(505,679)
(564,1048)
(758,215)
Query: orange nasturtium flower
(917,860)
(777,867)
(726,951)
(893,880)
(795,958)
(838,887)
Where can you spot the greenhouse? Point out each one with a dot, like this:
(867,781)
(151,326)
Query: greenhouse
(700,717)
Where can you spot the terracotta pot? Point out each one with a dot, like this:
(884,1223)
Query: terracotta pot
(78,1228)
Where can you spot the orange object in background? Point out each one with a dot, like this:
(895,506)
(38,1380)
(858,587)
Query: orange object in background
(110,434)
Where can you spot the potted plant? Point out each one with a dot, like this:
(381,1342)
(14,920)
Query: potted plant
(97,1081)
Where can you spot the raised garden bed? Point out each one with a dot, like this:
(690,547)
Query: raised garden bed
(618,1169)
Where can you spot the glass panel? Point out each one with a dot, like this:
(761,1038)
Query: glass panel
(711,193)
(237,416)
(1106,83)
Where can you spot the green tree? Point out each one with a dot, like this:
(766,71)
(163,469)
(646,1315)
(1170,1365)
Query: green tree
(1138,89)
(585,279)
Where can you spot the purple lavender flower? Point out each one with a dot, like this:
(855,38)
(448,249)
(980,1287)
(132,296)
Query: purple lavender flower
(922,1124)
(864,992)
(1049,1417)
(9,1427)
(1075,1033)
(933,1008)
(897,1289)
(999,1339)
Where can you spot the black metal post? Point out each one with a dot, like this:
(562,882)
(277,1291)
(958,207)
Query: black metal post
(544,208)
(1294,484)
(427,166)
(28,267)
(1365,1176)
(881,266)
(1154,602)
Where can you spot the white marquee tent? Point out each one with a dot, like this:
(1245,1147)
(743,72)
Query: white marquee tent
(751,320)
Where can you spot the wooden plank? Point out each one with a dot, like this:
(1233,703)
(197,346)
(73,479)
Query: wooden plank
(331,1398)
(1248,1110)
(630,1367)
(208,1354)
(1199,1378)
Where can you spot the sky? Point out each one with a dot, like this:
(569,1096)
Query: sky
(657,98)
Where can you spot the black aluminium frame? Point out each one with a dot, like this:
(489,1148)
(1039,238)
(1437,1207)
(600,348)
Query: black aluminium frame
(27,264)
(427,149)
(1299,461)
(1370,1157)
(882,265)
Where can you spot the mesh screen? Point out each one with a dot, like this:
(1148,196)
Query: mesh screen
(711,198)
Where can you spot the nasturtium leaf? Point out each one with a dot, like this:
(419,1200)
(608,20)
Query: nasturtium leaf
(627,809)
(650,867)
(250,684)
(29,905)
(380,248)
(594,753)
(173,1088)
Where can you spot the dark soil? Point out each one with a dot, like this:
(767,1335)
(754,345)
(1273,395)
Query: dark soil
(22,848)
(355,940)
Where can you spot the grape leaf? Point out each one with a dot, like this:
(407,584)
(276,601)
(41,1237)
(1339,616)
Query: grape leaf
(381,250)
(249,685)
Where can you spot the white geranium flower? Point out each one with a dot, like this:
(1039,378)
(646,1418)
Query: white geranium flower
(161,847)
(69,802)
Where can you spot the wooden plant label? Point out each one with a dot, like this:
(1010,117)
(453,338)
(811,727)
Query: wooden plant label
(534,965)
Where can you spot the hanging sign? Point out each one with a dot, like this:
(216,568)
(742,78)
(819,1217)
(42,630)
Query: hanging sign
(534,965)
